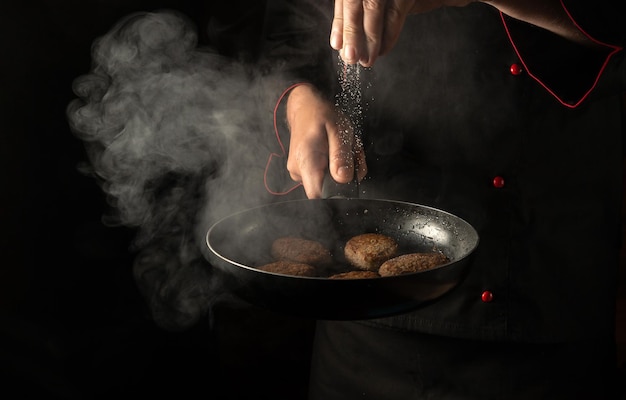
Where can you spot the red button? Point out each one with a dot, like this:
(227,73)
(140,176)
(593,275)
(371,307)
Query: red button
(516,69)
(498,182)
(487,296)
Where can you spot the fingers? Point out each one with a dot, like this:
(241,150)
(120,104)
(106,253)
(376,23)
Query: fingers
(308,167)
(346,159)
(373,23)
(307,115)
(362,30)
(394,21)
(348,30)
(360,163)
(318,143)
(341,154)
(357,30)
(336,31)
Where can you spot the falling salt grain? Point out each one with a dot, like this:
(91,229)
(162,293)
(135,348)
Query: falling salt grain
(349,101)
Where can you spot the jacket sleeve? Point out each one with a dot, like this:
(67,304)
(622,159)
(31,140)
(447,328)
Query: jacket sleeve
(283,43)
(295,49)
(573,73)
(600,19)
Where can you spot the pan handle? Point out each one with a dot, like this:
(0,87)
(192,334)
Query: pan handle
(333,190)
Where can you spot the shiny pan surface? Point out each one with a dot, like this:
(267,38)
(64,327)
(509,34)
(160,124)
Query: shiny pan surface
(239,243)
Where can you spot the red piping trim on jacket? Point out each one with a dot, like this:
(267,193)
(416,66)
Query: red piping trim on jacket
(280,143)
(615,50)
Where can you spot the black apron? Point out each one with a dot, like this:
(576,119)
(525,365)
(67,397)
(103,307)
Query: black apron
(356,361)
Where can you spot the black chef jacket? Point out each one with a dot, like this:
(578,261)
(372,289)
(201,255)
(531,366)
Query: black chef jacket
(506,125)
(540,181)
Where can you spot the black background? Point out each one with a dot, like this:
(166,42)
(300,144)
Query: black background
(72,322)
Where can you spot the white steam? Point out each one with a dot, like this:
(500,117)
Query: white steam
(173,135)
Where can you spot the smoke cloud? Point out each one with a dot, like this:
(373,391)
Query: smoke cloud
(173,136)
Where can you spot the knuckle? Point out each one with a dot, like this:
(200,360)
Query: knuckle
(351,30)
(352,3)
(394,13)
(374,5)
(342,157)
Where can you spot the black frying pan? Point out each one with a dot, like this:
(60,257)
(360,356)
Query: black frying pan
(240,242)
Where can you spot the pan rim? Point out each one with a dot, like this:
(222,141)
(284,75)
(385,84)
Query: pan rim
(435,210)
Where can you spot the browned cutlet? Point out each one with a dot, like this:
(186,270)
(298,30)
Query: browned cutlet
(301,250)
(369,250)
(413,262)
(355,275)
(289,268)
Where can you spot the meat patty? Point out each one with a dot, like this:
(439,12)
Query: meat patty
(301,250)
(355,275)
(289,268)
(369,250)
(412,262)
